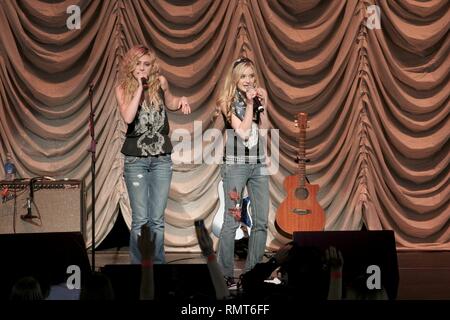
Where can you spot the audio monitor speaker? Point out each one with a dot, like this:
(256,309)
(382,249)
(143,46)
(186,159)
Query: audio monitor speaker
(44,256)
(172,281)
(42,207)
(360,249)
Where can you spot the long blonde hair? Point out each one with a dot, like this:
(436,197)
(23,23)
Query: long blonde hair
(128,82)
(228,93)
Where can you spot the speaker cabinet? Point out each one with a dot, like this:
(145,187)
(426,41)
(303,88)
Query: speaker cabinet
(172,281)
(42,207)
(44,256)
(360,249)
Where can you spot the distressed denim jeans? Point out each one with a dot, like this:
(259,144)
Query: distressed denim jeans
(148,183)
(256,178)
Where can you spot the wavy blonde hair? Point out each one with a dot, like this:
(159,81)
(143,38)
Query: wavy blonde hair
(128,82)
(228,93)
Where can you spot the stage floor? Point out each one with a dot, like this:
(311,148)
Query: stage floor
(423,275)
(121,256)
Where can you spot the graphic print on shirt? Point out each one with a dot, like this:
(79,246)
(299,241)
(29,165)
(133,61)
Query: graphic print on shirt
(150,123)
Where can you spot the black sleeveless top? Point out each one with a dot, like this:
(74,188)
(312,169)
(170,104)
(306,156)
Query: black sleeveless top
(148,134)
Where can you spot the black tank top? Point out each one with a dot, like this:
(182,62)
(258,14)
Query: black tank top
(148,134)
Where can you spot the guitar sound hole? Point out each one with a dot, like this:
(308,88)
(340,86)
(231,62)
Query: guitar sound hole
(301,193)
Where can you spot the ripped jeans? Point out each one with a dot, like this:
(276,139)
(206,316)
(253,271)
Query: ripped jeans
(148,183)
(256,179)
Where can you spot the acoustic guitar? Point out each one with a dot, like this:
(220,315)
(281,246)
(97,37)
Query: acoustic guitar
(300,211)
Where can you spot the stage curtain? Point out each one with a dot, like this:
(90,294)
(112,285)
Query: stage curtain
(377,100)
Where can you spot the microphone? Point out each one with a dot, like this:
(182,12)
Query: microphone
(257,106)
(144,83)
(257,109)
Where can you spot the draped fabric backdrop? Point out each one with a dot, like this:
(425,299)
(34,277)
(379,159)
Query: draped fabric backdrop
(377,100)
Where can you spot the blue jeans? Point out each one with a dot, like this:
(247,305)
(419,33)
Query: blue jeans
(148,183)
(255,177)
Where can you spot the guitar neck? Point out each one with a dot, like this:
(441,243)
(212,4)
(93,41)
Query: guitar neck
(301,156)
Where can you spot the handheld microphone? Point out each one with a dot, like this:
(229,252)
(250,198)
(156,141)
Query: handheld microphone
(257,109)
(144,83)
(257,106)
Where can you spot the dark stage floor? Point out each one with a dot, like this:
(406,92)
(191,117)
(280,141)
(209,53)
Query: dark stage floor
(423,275)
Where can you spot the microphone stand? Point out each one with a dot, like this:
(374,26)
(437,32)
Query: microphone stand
(92,150)
(30,200)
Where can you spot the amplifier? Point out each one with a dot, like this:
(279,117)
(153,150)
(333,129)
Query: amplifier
(42,206)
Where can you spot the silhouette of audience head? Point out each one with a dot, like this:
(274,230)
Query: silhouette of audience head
(97,286)
(26,289)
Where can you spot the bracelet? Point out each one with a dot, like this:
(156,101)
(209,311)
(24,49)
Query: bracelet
(336,274)
(147,263)
(211,257)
